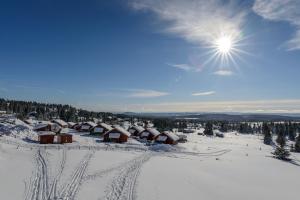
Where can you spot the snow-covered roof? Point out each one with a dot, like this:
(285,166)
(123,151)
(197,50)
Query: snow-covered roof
(60,122)
(153,131)
(46,133)
(71,123)
(138,128)
(41,125)
(90,123)
(171,135)
(119,129)
(30,121)
(106,126)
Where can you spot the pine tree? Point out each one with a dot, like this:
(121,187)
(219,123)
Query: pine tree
(280,152)
(291,132)
(267,134)
(297,144)
(224,127)
(208,129)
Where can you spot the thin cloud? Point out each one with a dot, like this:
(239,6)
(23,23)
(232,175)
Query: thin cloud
(199,22)
(279,10)
(255,106)
(223,73)
(141,93)
(204,93)
(184,67)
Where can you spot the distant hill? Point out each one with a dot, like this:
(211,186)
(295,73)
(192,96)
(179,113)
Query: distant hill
(220,116)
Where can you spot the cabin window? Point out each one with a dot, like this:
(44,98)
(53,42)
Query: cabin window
(162,138)
(98,130)
(145,134)
(114,135)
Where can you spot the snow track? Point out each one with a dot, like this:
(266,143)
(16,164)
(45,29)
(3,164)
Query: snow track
(53,191)
(123,185)
(39,186)
(71,188)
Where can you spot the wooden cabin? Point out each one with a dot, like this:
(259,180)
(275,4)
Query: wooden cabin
(101,128)
(60,122)
(46,137)
(71,124)
(117,134)
(64,138)
(136,130)
(87,126)
(167,137)
(149,134)
(77,126)
(47,126)
(30,121)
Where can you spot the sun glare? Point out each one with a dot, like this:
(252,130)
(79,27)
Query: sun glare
(224,44)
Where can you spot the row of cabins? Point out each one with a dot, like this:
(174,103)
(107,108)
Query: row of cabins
(49,131)
(119,134)
(110,133)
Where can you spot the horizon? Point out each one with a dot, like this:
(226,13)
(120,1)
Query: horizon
(150,56)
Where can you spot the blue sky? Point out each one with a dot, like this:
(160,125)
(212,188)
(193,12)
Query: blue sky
(152,55)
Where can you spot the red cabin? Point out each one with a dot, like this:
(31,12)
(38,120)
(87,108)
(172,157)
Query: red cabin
(117,134)
(46,137)
(64,138)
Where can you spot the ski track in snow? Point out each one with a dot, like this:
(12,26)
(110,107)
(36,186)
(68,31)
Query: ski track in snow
(39,186)
(53,191)
(70,190)
(123,185)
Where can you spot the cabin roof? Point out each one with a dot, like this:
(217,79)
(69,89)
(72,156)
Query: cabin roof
(60,122)
(153,131)
(71,123)
(41,125)
(90,123)
(45,133)
(138,128)
(119,129)
(106,126)
(171,135)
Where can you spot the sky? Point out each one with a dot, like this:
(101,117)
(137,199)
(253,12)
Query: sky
(153,55)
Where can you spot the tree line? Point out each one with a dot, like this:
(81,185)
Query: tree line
(45,111)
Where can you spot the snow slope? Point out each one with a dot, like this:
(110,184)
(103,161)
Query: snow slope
(231,168)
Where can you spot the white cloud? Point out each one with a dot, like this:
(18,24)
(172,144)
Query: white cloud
(223,73)
(196,21)
(184,67)
(281,10)
(204,93)
(140,93)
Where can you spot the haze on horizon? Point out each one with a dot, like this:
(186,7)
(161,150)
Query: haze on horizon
(153,55)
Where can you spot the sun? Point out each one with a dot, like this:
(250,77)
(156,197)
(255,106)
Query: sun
(224,44)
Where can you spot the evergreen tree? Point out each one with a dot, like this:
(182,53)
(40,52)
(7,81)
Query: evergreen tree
(297,144)
(280,151)
(291,132)
(208,129)
(224,127)
(267,134)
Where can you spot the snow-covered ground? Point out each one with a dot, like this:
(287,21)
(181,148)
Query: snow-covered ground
(231,168)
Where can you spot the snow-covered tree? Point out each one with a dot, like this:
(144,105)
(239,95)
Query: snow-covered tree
(280,151)
(297,144)
(267,134)
(208,129)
